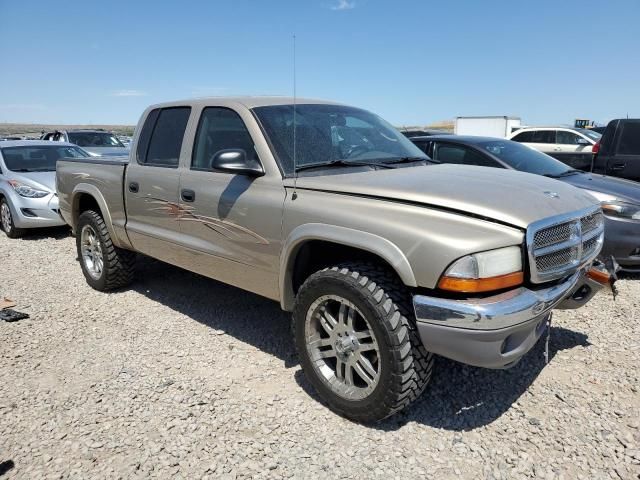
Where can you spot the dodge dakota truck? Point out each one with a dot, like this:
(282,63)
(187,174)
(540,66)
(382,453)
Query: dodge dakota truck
(384,257)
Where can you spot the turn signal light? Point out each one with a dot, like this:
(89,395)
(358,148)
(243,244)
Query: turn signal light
(478,285)
(598,275)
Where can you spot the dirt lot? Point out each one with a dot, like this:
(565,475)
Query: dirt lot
(183,376)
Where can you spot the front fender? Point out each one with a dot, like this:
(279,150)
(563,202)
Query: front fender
(341,235)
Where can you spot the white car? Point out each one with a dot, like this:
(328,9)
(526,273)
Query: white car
(573,146)
(28,196)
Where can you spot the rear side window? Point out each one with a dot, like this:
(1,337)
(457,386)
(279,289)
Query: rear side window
(220,129)
(145,135)
(629,139)
(463,155)
(526,137)
(166,140)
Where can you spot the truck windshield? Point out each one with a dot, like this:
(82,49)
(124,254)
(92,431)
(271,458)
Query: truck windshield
(94,139)
(334,135)
(38,158)
(524,158)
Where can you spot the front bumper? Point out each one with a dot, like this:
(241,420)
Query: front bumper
(35,212)
(495,332)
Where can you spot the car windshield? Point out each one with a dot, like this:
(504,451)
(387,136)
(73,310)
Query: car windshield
(38,158)
(595,136)
(333,133)
(94,139)
(524,158)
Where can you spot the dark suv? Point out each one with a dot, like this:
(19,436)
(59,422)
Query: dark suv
(618,152)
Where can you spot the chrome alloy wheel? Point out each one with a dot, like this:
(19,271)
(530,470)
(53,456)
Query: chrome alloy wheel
(5,217)
(91,250)
(342,347)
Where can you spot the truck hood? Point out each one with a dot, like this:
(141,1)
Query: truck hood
(621,189)
(39,180)
(506,196)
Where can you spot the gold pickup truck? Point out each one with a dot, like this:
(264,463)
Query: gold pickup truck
(384,257)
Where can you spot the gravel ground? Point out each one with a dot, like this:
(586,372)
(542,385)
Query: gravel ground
(183,376)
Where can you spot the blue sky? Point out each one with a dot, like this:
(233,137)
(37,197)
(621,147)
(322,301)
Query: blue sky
(412,62)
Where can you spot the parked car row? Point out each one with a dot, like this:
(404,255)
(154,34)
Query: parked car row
(384,255)
(95,141)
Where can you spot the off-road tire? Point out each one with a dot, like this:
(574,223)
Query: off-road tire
(406,366)
(119,264)
(12,231)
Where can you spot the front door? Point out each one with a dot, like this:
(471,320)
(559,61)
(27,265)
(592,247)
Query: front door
(574,150)
(230,223)
(152,182)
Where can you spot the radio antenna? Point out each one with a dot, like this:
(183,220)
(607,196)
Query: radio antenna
(295,159)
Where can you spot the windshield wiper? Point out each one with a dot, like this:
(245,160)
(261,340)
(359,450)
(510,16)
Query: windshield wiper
(341,163)
(566,173)
(411,160)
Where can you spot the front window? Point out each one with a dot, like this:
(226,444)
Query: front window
(524,158)
(94,139)
(326,133)
(38,158)
(595,136)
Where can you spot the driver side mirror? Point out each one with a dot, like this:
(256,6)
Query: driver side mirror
(583,141)
(235,161)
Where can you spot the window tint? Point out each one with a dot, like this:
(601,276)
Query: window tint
(166,139)
(524,137)
(630,139)
(220,129)
(536,136)
(145,135)
(544,136)
(567,138)
(463,155)
(424,146)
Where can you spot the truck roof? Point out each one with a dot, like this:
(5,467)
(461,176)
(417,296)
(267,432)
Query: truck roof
(246,101)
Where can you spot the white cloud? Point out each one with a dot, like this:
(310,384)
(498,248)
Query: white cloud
(344,5)
(129,93)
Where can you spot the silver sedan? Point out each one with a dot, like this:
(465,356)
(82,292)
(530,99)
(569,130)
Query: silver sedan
(28,196)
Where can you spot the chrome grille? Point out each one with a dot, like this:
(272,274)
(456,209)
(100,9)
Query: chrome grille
(559,246)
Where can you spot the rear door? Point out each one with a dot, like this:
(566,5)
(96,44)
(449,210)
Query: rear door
(573,149)
(542,140)
(152,182)
(625,162)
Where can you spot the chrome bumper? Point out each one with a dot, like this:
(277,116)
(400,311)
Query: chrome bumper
(495,332)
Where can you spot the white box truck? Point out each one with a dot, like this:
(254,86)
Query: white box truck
(487,126)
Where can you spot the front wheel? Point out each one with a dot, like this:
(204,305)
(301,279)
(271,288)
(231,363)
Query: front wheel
(6,221)
(105,266)
(357,342)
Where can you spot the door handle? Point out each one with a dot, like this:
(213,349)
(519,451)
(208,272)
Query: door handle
(134,187)
(188,195)
(557,149)
(617,166)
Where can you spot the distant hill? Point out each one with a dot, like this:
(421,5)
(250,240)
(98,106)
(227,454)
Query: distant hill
(35,129)
(445,125)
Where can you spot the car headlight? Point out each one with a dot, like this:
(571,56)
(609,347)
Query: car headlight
(621,210)
(484,271)
(26,191)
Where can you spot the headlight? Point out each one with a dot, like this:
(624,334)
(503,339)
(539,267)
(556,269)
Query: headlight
(485,271)
(27,191)
(621,210)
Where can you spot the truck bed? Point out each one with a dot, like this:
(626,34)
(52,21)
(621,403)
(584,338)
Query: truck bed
(101,178)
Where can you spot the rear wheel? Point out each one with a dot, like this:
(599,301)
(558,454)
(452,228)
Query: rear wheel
(105,266)
(357,341)
(6,221)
